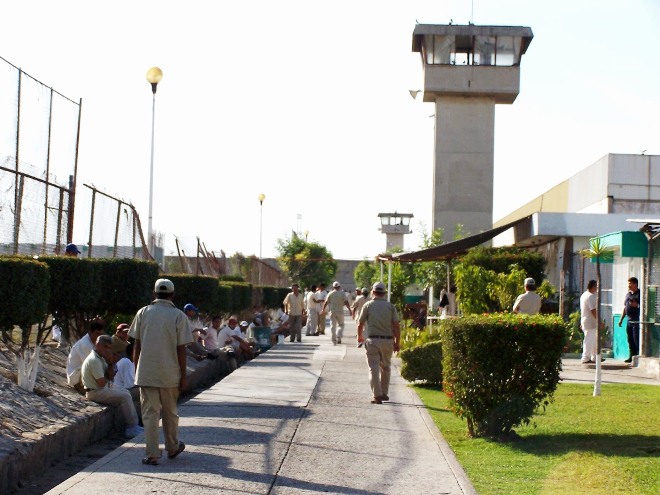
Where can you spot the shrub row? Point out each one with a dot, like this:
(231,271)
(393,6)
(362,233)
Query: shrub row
(79,289)
(423,363)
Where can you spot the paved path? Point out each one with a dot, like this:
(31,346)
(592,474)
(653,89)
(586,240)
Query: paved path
(297,420)
(614,371)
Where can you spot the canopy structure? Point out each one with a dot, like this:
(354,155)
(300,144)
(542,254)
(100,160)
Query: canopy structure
(449,250)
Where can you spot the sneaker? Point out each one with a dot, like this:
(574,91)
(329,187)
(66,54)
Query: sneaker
(134,431)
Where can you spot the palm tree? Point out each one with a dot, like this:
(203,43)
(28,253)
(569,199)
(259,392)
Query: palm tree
(597,250)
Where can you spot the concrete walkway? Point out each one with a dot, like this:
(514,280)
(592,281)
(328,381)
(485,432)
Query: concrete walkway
(297,420)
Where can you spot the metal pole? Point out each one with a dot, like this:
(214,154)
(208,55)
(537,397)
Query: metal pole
(389,280)
(72,193)
(150,232)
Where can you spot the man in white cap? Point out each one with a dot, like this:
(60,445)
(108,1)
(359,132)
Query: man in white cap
(528,303)
(382,340)
(161,332)
(336,301)
(294,306)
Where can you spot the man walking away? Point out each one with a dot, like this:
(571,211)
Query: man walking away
(161,333)
(382,339)
(336,301)
(528,303)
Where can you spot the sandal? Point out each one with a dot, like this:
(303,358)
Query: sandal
(150,461)
(182,447)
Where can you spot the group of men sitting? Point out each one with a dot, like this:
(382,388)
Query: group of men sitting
(100,366)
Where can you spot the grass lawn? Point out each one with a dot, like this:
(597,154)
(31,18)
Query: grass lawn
(581,444)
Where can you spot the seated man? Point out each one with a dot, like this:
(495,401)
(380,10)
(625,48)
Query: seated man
(79,352)
(232,334)
(97,380)
(195,349)
(280,327)
(218,341)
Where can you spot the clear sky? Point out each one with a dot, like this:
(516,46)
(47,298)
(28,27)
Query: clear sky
(307,102)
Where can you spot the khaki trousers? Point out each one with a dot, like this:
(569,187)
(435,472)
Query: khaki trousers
(156,401)
(119,397)
(379,358)
(312,321)
(336,320)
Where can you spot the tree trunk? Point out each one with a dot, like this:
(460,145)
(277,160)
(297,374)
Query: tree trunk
(598,377)
(27,367)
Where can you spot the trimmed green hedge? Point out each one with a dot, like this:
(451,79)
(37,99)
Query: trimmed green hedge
(24,292)
(423,362)
(200,290)
(498,369)
(75,285)
(241,295)
(126,284)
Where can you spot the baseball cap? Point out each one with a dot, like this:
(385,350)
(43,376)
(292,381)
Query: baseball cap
(189,307)
(243,323)
(123,326)
(118,345)
(164,285)
(379,287)
(530,281)
(71,248)
(335,284)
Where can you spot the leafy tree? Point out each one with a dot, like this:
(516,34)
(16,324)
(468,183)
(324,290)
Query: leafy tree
(431,273)
(505,287)
(597,251)
(366,273)
(306,262)
(473,282)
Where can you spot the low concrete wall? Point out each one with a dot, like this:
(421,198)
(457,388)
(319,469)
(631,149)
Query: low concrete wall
(41,448)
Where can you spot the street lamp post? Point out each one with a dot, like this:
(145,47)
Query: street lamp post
(154,76)
(261,198)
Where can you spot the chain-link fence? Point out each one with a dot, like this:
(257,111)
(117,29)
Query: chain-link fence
(114,230)
(38,156)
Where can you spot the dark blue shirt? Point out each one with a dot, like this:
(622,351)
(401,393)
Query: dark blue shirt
(632,305)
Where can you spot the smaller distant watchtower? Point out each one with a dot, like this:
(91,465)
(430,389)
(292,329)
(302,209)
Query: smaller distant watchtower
(394,226)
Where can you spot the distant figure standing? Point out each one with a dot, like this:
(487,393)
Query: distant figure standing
(359,302)
(336,301)
(382,340)
(589,323)
(631,310)
(312,312)
(528,303)
(294,306)
(161,333)
(319,298)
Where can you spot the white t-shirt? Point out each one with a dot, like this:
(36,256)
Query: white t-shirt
(309,301)
(224,336)
(77,356)
(320,295)
(210,338)
(125,376)
(587,303)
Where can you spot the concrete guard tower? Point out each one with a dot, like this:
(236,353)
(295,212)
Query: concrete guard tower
(394,226)
(467,70)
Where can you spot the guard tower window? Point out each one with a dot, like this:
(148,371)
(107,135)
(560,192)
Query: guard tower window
(471,50)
